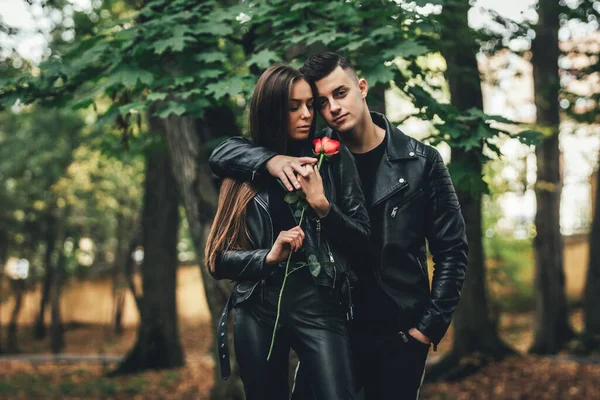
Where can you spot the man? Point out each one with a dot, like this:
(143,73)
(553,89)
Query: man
(411,200)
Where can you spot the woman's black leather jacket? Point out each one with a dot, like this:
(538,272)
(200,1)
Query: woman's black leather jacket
(334,239)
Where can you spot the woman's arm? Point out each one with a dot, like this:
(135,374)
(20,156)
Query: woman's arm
(243,265)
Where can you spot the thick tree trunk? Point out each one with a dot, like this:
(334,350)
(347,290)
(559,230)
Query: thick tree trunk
(158,345)
(552,329)
(57,340)
(39,330)
(185,139)
(18,288)
(591,296)
(475,333)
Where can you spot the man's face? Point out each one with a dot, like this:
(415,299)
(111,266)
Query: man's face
(341,99)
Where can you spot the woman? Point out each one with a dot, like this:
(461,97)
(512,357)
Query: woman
(255,231)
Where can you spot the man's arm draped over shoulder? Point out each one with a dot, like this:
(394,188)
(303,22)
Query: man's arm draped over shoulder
(238,158)
(446,235)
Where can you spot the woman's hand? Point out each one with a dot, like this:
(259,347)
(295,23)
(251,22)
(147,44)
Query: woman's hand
(286,242)
(312,186)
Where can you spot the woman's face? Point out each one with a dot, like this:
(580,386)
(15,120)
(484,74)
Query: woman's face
(301,110)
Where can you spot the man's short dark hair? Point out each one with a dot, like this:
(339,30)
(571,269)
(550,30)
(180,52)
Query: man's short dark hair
(320,65)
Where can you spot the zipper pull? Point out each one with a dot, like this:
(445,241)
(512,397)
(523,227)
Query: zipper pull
(403,336)
(394,212)
(318,225)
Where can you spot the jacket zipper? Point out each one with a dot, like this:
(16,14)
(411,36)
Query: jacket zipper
(332,263)
(262,281)
(388,195)
(412,196)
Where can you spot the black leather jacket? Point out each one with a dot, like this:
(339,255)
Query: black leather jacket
(413,201)
(332,239)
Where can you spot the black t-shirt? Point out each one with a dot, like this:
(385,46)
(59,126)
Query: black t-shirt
(367,164)
(372,303)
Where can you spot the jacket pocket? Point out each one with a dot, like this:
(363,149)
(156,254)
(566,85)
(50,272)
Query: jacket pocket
(404,202)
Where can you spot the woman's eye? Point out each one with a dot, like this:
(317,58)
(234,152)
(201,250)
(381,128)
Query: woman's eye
(293,108)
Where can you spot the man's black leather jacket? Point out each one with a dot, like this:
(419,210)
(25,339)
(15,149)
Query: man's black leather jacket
(413,201)
(332,239)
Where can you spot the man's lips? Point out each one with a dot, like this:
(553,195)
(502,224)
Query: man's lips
(341,117)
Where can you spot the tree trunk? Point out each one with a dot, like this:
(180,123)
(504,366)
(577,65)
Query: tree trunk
(475,333)
(158,345)
(591,296)
(18,286)
(57,340)
(377,98)
(185,139)
(39,331)
(118,278)
(552,329)
(3,252)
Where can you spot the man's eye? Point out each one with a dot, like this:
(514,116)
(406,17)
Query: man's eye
(310,106)
(341,93)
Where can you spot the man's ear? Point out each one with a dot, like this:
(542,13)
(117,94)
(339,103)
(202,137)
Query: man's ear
(364,88)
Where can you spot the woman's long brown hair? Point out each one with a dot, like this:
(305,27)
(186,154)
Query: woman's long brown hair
(229,230)
(269,113)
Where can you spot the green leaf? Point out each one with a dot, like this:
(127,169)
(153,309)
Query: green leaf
(298,213)
(129,76)
(182,80)
(171,108)
(227,87)
(157,96)
(176,44)
(530,137)
(210,56)
(378,74)
(210,73)
(406,49)
(312,258)
(131,108)
(263,59)
(212,28)
(315,268)
(291,198)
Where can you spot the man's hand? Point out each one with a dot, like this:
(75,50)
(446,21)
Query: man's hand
(414,332)
(285,168)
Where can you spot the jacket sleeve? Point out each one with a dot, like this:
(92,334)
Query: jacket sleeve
(347,222)
(446,235)
(242,265)
(238,158)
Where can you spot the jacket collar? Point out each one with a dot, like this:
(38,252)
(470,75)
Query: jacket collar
(398,146)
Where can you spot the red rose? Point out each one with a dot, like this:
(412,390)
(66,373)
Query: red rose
(326,146)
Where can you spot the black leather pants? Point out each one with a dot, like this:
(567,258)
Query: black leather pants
(312,322)
(390,363)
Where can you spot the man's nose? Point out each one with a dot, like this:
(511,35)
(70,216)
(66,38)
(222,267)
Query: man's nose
(334,107)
